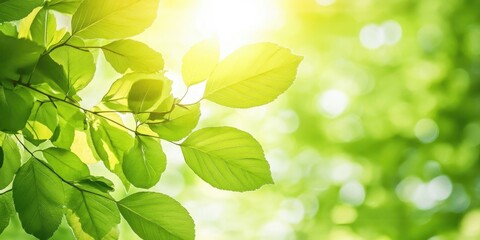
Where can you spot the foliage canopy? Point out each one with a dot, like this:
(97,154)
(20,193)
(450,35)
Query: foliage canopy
(44,67)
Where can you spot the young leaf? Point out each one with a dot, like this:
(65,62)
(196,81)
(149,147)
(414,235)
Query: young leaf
(126,53)
(38,197)
(144,162)
(11,162)
(14,9)
(95,210)
(227,158)
(17,105)
(178,124)
(117,97)
(111,19)
(63,6)
(199,62)
(66,164)
(7,210)
(42,122)
(155,216)
(79,67)
(252,76)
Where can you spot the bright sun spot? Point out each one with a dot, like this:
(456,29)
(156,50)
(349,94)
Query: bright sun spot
(236,22)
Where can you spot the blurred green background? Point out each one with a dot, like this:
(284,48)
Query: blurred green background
(378,138)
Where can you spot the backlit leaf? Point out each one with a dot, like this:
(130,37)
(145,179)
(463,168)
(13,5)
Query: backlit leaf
(66,164)
(129,54)
(7,210)
(144,162)
(177,124)
(17,105)
(42,122)
(14,9)
(11,161)
(199,62)
(227,158)
(252,76)
(112,18)
(155,216)
(38,196)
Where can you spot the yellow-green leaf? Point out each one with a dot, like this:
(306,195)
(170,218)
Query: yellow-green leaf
(200,61)
(252,76)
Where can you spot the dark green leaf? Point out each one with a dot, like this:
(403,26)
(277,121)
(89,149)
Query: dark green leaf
(7,210)
(227,158)
(17,105)
(16,9)
(155,216)
(113,19)
(100,183)
(50,72)
(11,161)
(144,162)
(94,210)
(19,56)
(177,124)
(66,164)
(129,54)
(38,197)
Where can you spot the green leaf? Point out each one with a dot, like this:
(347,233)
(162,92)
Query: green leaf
(227,158)
(9,29)
(11,161)
(129,54)
(42,122)
(144,162)
(252,76)
(50,72)
(63,6)
(14,9)
(94,210)
(79,67)
(110,143)
(1,157)
(111,19)
(38,197)
(19,56)
(147,95)
(155,216)
(7,210)
(200,61)
(117,98)
(66,164)
(17,105)
(43,27)
(100,183)
(177,124)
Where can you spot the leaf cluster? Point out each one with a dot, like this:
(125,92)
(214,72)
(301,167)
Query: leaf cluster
(43,68)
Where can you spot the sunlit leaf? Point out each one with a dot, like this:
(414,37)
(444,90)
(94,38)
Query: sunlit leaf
(43,27)
(7,210)
(9,29)
(144,162)
(177,124)
(95,210)
(14,9)
(66,164)
(117,97)
(113,19)
(129,54)
(64,6)
(227,158)
(155,216)
(38,196)
(17,105)
(199,62)
(11,157)
(252,76)
(42,122)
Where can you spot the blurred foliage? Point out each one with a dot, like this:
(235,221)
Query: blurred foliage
(379,135)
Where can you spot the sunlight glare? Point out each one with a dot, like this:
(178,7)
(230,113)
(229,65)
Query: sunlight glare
(236,22)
